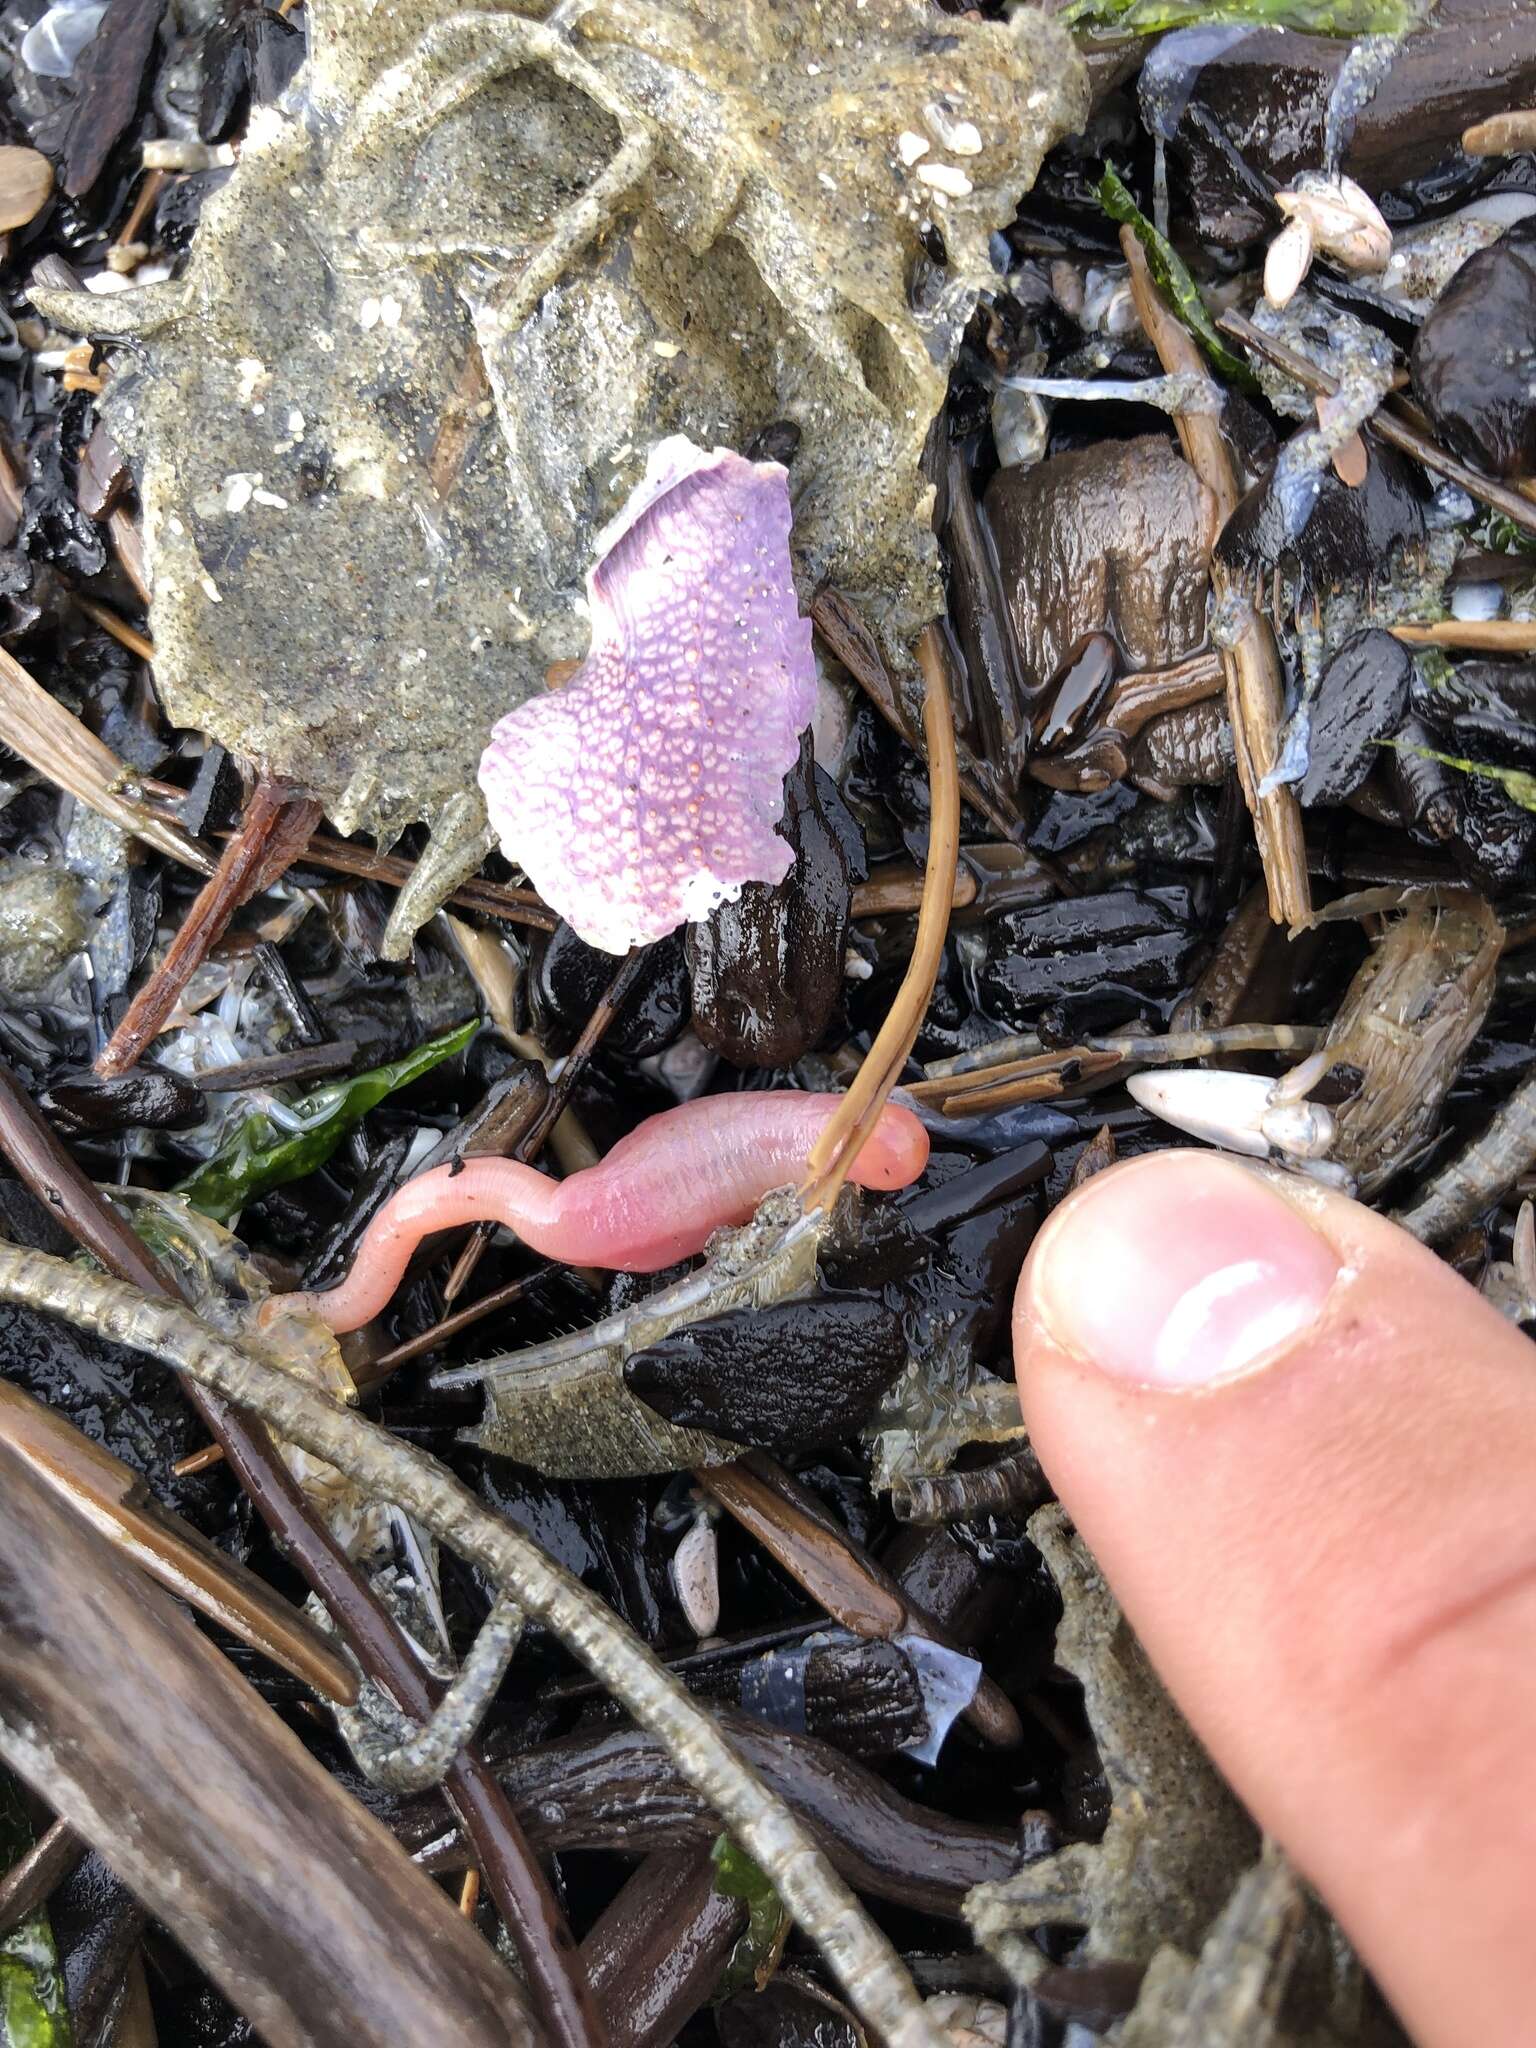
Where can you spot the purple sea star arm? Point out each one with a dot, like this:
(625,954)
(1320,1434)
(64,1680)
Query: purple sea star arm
(647,790)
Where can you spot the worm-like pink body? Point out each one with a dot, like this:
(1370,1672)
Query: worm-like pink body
(653,1200)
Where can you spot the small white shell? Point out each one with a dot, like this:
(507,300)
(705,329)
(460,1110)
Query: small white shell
(696,1577)
(1237,1111)
(1344,220)
(1288,261)
(959,137)
(946,178)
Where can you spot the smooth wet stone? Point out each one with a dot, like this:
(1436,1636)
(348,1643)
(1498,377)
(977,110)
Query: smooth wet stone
(1474,363)
(1115,538)
(1360,702)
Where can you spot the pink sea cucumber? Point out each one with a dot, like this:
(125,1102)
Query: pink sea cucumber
(654,1199)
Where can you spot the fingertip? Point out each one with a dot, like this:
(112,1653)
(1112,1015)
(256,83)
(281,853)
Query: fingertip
(1179,1269)
(1300,1448)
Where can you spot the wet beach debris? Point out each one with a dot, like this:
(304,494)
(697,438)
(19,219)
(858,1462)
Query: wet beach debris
(1175,1840)
(284,1142)
(1331,215)
(671,198)
(644,792)
(1391,1055)
(1317,17)
(869,1968)
(1472,370)
(1235,622)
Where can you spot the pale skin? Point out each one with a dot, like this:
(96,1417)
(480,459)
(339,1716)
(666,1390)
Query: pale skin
(1328,1548)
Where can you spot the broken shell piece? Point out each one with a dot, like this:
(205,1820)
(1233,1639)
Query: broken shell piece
(959,137)
(946,178)
(696,1577)
(1344,220)
(1288,261)
(26,179)
(1239,1112)
(1331,214)
(645,791)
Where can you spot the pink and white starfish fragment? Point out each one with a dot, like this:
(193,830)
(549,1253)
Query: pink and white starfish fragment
(645,792)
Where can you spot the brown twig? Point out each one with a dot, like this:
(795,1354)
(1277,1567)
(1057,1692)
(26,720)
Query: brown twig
(854,645)
(865,1962)
(113,1498)
(139,212)
(1385,425)
(1491,636)
(1255,689)
(856,1115)
(656,1954)
(55,743)
(273,832)
(301,1907)
(450,1326)
(517,1884)
(891,891)
(491,899)
(36,1872)
(276,1069)
(128,542)
(120,630)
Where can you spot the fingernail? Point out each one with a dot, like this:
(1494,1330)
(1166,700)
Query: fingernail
(1179,1270)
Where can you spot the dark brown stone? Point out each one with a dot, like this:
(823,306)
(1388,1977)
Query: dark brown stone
(1114,538)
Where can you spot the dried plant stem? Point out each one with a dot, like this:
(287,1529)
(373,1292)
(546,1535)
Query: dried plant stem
(273,832)
(1255,690)
(858,1112)
(36,1872)
(490,899)
(1481,1174)
(868,1967)
(899,889)
(55,743)
(839,1574)
(119,629)
(1491,636)
(851,641)
(1013,1482)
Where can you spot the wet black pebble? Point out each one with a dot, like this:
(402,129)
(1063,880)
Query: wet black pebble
(1474,364)
(1361,701)
(571,978)
(800,1376)
(1326,539)
(1120,945)
(767,969)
